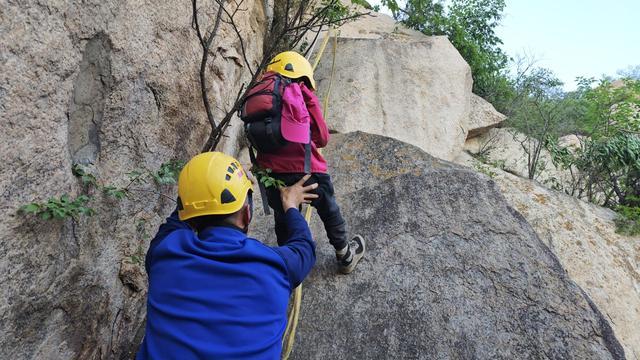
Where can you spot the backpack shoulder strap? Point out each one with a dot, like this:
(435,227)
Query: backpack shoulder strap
(263,190)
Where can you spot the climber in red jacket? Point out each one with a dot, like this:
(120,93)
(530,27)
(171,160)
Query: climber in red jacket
(301,114)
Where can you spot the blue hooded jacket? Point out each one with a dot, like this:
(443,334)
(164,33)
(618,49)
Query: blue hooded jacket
(220,294)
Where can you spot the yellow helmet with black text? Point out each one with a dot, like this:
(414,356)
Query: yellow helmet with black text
(212,183)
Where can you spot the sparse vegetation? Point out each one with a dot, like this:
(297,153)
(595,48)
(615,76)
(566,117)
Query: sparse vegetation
(67,207)
(60,208)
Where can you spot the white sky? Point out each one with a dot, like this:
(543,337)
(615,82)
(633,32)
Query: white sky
(573,38)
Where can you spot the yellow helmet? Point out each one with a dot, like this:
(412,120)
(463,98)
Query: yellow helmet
(212,183)
(292,65)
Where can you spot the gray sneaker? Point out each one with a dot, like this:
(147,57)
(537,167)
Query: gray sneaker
(347,260)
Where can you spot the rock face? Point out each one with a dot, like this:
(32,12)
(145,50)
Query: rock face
(451,270)
(377,26)
(505,148)
(483,117)
(606,265)
(411,87)
(112,85)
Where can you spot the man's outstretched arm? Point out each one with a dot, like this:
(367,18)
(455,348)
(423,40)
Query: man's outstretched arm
(299,250)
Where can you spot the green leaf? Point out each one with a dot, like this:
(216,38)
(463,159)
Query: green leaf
(136,176)
(32,208)
(168,172)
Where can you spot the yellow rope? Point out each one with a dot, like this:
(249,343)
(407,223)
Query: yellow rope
(292,321)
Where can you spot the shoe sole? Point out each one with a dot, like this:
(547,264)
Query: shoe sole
(356,258)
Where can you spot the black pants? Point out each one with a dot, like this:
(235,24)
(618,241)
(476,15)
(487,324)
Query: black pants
(326,205)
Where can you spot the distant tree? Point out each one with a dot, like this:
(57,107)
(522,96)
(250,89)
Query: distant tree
(631,72)
(534,111)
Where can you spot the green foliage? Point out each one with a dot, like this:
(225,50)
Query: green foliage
(168,172)
(86,178)
(628,220)
(335,10)
(365,4)
(264,176)
(609,107)
(470,26)
(485,169)
(606,168)
(115,192)
(61,208)
(65,207)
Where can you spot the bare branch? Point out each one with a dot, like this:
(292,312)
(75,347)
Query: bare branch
(194,22)
(327,23)
(313,43)
(203,67)
(232,22)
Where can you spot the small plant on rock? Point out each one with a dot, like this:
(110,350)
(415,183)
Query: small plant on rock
(61,208)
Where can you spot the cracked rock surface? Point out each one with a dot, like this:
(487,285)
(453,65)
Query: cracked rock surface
(452,271)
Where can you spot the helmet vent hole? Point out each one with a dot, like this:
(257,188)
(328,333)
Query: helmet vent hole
(228,177)
(289,67)
(227,197)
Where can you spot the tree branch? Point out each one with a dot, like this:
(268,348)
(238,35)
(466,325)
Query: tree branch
(203,66)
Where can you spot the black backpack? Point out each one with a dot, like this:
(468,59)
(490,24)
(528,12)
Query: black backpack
(261,112)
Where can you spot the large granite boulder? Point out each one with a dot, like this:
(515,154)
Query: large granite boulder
(112,85)
(413,88)
(452,271)
(605,264)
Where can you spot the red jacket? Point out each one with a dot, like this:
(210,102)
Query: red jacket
(290,159)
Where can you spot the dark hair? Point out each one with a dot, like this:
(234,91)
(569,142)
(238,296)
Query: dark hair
(199,223)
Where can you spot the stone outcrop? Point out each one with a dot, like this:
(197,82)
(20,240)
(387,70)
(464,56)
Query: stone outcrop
(412,87)
(112,85)
(605,264)
(505,148)
(451,271)
(483,117)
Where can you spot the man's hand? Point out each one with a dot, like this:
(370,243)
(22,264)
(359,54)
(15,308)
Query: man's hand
(296,194)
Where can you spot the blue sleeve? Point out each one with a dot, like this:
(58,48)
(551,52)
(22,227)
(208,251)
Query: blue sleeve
(299,251)
(171,224)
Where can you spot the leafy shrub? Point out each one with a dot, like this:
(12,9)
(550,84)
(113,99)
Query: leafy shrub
(168,172)
(628,220)
(61,208)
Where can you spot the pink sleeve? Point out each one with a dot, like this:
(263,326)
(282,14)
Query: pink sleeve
(319,130)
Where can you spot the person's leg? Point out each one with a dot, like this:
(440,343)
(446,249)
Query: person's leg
(348,253)
(273,196)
